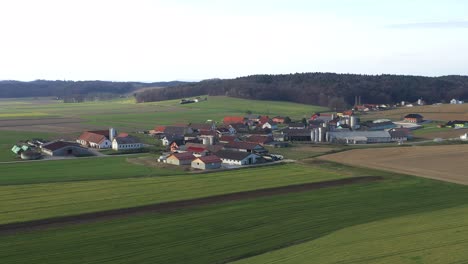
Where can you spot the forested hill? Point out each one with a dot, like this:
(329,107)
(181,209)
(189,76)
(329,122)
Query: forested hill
(325,89)
(11,89)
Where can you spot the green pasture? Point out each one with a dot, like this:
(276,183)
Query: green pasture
(402,219)
(38,201)
(126,114)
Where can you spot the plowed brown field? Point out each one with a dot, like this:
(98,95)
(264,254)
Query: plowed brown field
(447,163)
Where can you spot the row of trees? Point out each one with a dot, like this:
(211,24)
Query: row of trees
(325,89)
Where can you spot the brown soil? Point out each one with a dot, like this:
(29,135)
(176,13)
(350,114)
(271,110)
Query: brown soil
(446,163)
(177,205)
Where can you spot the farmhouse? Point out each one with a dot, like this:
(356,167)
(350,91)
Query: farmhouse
(180,158)
(237,158)
(167,140)
(359,137)
(414,118)
(455,101)
(124,142)
(207,162)
(101,139)
(63,148)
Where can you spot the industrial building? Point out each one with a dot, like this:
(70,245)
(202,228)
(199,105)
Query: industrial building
(358,137)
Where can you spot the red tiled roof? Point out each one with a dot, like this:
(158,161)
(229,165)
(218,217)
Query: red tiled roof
(196,149)
(101,132)
(233,119)
(160,129)
(122,135)
(184,156)
(91,136)
(210,159)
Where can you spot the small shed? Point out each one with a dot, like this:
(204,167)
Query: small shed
(207,162)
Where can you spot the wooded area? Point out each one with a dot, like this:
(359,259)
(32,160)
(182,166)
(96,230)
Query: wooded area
(72,89)
(324,89)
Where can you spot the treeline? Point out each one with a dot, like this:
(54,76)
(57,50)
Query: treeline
(72,89)
(325,89)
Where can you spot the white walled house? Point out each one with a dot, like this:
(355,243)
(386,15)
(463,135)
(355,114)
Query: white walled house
(99,139)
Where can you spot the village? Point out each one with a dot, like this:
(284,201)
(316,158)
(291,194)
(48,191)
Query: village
(239,141)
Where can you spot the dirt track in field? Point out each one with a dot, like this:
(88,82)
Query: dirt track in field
(176,205)
(446,163)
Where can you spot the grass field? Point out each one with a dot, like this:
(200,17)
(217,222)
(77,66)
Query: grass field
(350,224)
(26,202)
(447,163)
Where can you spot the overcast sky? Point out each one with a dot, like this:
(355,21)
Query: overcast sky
(150,40)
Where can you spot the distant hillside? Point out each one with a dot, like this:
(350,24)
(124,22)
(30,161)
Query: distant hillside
(39,88)
(324,89)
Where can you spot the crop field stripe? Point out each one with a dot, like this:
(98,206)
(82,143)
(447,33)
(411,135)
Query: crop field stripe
(171,206)
(219,233)
(40,201)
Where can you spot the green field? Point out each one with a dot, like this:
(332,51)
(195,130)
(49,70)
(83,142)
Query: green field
(82,169)
(399,220)
(26,202)
(126,114)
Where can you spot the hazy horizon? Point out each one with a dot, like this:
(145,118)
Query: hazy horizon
(151,41)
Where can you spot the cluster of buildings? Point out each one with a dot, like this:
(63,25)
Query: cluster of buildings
(98,139)
(238,141)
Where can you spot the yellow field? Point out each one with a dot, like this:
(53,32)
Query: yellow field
(447,163)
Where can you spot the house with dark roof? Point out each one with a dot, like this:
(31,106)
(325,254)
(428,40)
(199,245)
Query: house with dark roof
(228,138)
(126,142)
(303,134)
(203,126)
(237,158)
(185,158)
(242,146)
(207,162)
(296,126)
(168,139)
(64,148)
(260,139)
(400,134)
(414,118)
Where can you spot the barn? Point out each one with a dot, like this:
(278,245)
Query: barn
(237,157)
(180,159)
(64,148)
(207,162)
